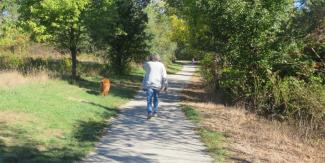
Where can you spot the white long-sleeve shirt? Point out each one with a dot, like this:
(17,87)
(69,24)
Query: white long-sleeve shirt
(156,75)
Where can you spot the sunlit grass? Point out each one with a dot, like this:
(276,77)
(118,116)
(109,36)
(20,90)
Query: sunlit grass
(212,139)
(173,68)
(191,114)
(56,120)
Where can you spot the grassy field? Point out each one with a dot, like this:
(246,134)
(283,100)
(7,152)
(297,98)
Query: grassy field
(212,139)
(56,120)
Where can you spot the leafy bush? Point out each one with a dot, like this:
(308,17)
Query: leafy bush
(209,70)
(57,67)
(159,26)
(267,53)
(10,62)
(300,100)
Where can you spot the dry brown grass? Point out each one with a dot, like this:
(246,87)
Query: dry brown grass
(251,138)
(13,117)
(14,79)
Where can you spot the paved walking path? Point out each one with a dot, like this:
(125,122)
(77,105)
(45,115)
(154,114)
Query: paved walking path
(168,138)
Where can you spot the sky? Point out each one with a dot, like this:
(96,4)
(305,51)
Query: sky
(298,3)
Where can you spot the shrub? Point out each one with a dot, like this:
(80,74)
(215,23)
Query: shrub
(55,66)
(301,101)
(209,70)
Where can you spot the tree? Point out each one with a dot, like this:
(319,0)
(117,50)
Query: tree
(160,29)
(8,11)
(120,25)
(260,50)
(60,22)
(309,28)
(11,35)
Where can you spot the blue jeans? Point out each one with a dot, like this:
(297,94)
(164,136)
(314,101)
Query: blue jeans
(152,94)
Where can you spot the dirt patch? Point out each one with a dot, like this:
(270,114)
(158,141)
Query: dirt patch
(251,138)
(14,79)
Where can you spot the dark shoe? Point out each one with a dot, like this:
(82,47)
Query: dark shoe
(155,114)
(149,116)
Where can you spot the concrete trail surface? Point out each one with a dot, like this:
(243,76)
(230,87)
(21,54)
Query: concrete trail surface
(169,138)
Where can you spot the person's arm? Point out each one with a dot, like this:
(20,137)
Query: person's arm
(164,78)
(145,78)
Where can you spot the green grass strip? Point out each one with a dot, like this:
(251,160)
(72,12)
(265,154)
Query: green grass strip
(191,114)
(173,68)
(212,139)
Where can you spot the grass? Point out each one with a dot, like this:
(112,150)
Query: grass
(249,138)
(192,114)
(46,120)
(173,68)
(57,120)
(212,139)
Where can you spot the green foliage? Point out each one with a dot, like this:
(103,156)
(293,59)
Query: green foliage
(180,34)
(208,68)
(308,28)
(159,27)
(12,37)
(300,100)
(61,22)
(57,21)
(119,28)
(56,67)
(249,47)
(8,13)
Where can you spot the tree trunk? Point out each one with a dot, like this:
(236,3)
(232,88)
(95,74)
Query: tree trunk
(120,66)
(73,52)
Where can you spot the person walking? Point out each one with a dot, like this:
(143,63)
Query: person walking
(154,81)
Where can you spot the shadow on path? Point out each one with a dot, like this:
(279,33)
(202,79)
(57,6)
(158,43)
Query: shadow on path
(166,138)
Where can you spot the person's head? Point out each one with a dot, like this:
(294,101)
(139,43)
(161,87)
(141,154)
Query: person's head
(154,58)
(147,58)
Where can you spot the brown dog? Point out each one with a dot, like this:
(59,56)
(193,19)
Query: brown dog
(105,84)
